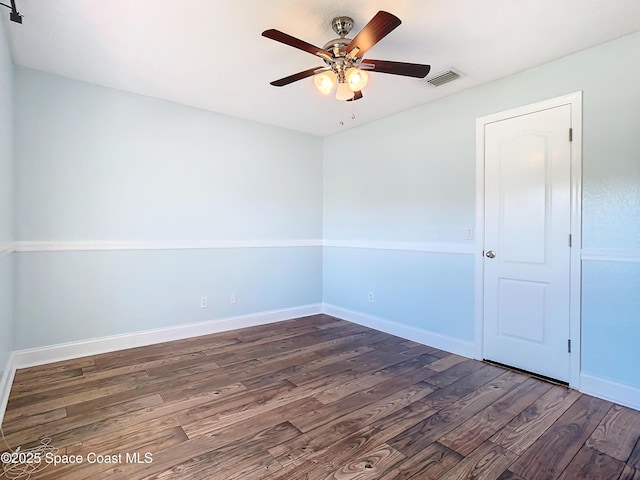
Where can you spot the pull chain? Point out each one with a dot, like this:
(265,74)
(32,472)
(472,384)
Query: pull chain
(353,112)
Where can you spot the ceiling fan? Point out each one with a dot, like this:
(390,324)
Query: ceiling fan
(345,64)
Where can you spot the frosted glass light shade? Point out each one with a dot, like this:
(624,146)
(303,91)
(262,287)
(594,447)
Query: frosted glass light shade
(356,79)
(324,82)
(344,92)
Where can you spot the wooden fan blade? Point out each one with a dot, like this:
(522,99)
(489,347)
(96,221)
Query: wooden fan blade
(379,27)
(295,77)
(416,70)
(294,42)
(356,96)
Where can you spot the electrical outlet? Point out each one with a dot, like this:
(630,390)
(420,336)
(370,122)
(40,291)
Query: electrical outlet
(468,234)
(204,302)
(371,298)
(233,299)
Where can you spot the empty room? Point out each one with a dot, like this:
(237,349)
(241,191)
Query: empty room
(320,240)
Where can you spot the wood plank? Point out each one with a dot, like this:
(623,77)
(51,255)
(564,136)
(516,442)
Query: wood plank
(487,462)
(324,361)
(154,418)
(142,442)
(244,435)
(617,434)
(348,364)
(277,371)
(253,350)
(37,384)
(320,464)
(590,464)
(23,423)
(634,458)
(455,373)
(197,359)
(553,451)
(93,373)
(509,475)
(467,383)
(44,371)
(447,362)
(420,362)
(55,426)
(62,400)
(331,432)
(474,432)
(526,428)
(213,423)
(321,348)
(363,440)
(372,464)
(107,361)
(429,430)
(379,362)
(240,460)
(428,464)
(314,418)
(630,473)
(68,391)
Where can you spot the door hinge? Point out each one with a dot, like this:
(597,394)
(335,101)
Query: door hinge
(570,241)
(569,345)
(571,134)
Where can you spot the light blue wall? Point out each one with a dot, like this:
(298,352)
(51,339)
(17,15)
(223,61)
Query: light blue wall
(6,199)
(100,164)
(424,290)
(611,314)
(6,310)
(83,295)
(103,165)
(412,179)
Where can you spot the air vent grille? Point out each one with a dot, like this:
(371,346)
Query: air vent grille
(443,77)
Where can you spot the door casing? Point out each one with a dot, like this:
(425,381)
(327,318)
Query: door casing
(575,101)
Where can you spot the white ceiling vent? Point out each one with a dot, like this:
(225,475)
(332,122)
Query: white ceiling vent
(443,77)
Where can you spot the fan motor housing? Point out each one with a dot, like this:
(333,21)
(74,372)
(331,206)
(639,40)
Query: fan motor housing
(340,43)
(342,25)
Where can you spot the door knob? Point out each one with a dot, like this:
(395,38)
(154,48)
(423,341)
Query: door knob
(491,254)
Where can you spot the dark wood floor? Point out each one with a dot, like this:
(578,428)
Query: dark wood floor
(315,398)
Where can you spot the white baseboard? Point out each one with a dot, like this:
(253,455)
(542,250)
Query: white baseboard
(66,351)
(606,389)
(5,385)
(442,342)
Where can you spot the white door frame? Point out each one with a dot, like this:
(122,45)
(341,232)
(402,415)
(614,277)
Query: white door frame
(575,101)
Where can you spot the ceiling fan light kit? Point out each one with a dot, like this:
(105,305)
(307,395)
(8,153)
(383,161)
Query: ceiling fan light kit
(325,81)
(356,78)
(345,65)
(343,92)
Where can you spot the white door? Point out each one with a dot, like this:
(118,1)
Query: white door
(527,251)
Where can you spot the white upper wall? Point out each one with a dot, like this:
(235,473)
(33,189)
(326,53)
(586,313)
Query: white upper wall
(100,164)
(6,200)
(6,151)
(411,176)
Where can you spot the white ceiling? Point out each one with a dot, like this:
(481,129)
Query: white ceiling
(210,54)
